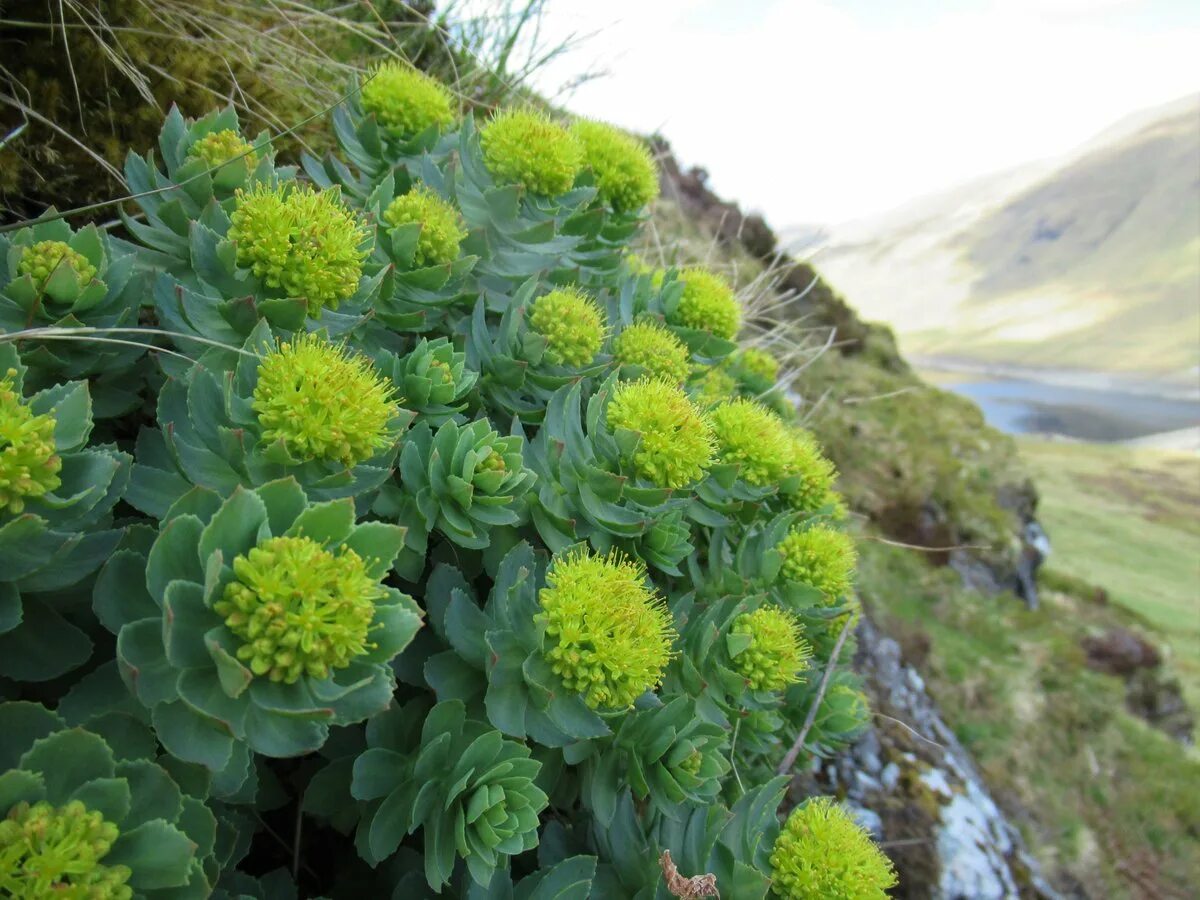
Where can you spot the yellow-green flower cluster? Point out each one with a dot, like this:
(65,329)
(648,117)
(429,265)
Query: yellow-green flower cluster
(626,177)
(751,436)
(572,323)
(526,147)
(708,304)
(41,259)
(777,651)
(301,241)
(823,854)
(442,230)
(819,556)
(299,609)
(608,637)
(676,446)
(323,401)
(654,348)
(814,488)
(50,852)
(405,101)
(759,365)
(29,466)
(218,147)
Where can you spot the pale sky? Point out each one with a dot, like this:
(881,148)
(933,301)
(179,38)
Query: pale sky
(814,111)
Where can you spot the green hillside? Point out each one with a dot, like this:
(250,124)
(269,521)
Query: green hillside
(1128,520)
(1093,263)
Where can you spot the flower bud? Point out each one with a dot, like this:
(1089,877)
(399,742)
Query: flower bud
(528,148)
(572,324)
(405,101)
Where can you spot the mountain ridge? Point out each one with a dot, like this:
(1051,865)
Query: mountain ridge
(1088,261)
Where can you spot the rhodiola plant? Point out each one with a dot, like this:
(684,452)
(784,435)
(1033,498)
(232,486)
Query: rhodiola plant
(428,542)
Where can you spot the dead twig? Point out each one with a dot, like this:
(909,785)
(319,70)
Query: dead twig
(789,759)
(684,887)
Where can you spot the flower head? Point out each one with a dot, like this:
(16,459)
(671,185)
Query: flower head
(607,635)
(819,556)
(754,438)
(219,147)
(777,652)
(304,242)
(814,488)
(405,101)
(442,230)
(29,466)
(759,365)
(655,349)
(40,260)
(676,445)
(626,177)
(572,324)
(823,853)
(708,304)
(526,147)
(48,851)
(298,608)
(323,401)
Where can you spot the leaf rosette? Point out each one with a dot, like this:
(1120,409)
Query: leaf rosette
(424,249)
(207,161)
(80,818)
(308,408)
(627,482)
(56,528)
(260,620)
(462,481)
(557,650)
(665,754)
(470,790)
(53,277)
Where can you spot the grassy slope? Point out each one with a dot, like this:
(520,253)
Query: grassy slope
(1127,520)
(1100,796)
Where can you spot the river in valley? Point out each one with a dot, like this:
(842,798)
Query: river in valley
(1020,406)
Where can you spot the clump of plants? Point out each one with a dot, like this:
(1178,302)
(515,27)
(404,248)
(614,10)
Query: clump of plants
(366,533)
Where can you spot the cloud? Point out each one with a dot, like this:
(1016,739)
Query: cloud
(816,111)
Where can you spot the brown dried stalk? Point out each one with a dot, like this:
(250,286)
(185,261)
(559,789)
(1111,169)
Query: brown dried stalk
(684,887)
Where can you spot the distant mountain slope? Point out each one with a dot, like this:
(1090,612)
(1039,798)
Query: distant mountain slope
(1089,262)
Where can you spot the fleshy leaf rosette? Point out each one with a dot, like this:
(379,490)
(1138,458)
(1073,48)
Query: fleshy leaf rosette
(469,789)
(423,249)
(207,161)
(433,379)
(309,408)
(392,120)
(731,843)
(53,277)
(260,620)
(550,663)
(822,852)
(56,528)
(528,230)
(78,819)
(622,472)
(666,754)
(461,480)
